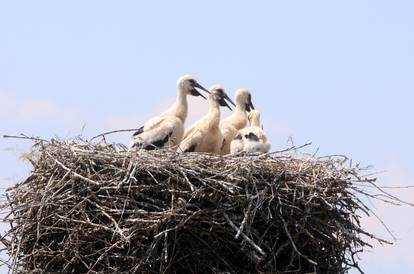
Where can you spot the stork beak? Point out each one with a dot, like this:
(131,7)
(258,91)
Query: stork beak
(197,85)
(228,99)
(251,105)
(197,93)
(227,105)
(223,102)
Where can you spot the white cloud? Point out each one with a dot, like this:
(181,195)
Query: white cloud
(18,112)
(24,108)
(132,121)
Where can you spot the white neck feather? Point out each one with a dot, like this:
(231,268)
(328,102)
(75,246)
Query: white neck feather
(255,121)
(180,107)
(213,115)
(238,118)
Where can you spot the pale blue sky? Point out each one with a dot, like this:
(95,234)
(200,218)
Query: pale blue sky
(337,73)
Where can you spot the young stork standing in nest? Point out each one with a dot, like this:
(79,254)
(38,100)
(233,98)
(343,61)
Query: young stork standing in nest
(205,135)
(238,120)
(167,129)
(251,139)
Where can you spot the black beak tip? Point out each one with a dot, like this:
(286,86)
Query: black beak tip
(231,101)
(197,85)
(227,105)
(206,90)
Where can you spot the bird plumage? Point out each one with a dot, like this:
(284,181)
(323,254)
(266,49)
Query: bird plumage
(252,139)
(167,129)
(237,120)
(205,134)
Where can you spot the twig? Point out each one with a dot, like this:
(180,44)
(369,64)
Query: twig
(112,132)
(247,239)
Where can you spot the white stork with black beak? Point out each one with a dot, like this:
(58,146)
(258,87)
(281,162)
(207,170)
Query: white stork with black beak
(237,120)
(252,139)
(167,129)
(205,135)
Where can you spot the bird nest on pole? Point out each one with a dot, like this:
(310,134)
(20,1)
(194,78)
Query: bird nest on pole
(93,208)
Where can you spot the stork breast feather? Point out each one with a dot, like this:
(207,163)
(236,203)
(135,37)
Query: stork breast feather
(189,132)
(228,130)
(193,137)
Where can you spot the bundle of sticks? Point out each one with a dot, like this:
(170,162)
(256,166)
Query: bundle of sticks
(99,208)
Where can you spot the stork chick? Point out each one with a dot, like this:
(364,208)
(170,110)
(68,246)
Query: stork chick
(167,129)
(205,134)
(238,120)
(251,139)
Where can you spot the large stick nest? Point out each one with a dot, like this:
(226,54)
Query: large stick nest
(99,208)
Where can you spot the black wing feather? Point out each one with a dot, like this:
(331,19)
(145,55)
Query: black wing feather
(138,132)
(191,149)
(223,144)
(159,143)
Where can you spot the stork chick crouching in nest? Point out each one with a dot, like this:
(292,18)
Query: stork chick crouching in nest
(205,135)
(238,120)
(167,129)
(251,139)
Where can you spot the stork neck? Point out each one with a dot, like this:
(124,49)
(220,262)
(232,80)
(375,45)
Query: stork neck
(238,118)
(214,113)
(240,107)
(180,107)
(255,122)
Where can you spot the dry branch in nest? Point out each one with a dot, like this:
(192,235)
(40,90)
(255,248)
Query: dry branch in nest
(99,208)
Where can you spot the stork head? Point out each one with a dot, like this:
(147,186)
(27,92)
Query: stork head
(254,118)
(244,99)
(219,95)
(189,86)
